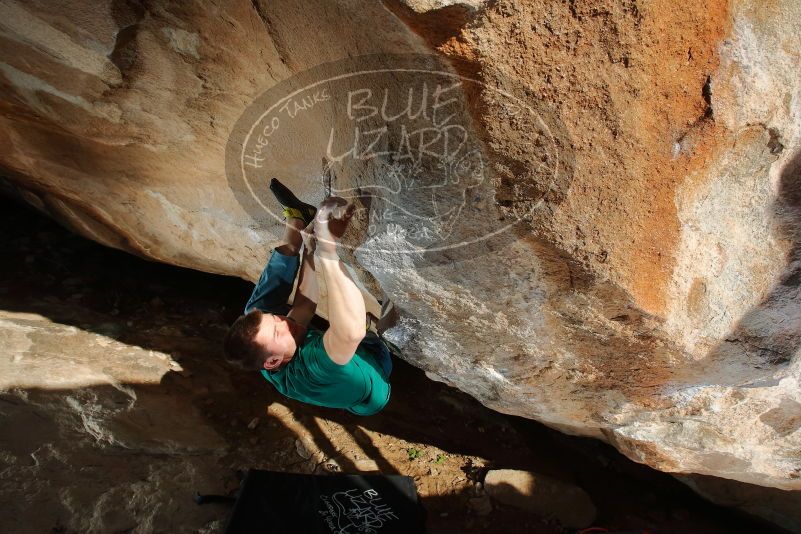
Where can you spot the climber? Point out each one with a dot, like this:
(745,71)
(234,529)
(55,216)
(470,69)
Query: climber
(346,366)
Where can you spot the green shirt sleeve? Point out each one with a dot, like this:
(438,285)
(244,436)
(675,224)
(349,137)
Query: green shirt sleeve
(358,385)
(311,376)
(341,385)
(319,364)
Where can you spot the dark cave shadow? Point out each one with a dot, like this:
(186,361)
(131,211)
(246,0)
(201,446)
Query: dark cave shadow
(177,311)
(180,313)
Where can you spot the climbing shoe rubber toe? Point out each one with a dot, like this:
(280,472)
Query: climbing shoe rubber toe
(293,206)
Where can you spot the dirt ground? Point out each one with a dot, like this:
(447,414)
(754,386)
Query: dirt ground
(59,482)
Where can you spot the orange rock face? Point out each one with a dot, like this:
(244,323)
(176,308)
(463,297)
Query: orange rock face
(616,254)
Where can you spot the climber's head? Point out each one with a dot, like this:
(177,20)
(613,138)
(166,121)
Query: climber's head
(261,340)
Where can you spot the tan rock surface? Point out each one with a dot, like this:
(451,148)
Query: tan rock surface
(648,296)
(116,407)
(543,495)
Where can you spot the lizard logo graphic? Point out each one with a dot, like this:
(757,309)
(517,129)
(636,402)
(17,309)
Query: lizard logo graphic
(397,136)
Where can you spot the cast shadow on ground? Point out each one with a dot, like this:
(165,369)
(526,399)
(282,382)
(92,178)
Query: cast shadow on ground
(184,314)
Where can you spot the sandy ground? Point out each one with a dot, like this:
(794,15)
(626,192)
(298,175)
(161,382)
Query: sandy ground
(116,407)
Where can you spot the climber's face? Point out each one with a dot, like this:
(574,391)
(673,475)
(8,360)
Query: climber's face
(277,335)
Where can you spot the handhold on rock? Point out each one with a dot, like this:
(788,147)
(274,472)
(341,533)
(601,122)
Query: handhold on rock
(542,495)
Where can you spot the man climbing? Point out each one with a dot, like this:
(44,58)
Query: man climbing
(343,367)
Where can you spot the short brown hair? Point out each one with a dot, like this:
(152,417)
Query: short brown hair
(240,344)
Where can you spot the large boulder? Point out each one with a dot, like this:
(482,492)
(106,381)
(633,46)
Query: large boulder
(617,255)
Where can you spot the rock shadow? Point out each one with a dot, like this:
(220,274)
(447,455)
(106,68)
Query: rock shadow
(109,451)
(767,338)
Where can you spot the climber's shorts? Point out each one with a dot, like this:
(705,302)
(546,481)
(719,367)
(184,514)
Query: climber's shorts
(378,348)
(275,285)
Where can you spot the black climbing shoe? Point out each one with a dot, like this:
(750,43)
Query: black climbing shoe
(293,207)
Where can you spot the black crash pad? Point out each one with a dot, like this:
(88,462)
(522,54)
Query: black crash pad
(286,503)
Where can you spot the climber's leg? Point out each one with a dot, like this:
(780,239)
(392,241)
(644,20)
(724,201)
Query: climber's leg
(291,242)
(278,277)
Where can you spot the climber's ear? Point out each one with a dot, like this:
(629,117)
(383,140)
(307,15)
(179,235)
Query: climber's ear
(272,362)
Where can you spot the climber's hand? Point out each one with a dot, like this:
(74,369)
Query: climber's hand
(331,221)
(309,239)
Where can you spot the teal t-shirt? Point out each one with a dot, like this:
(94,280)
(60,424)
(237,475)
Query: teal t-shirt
(311,376)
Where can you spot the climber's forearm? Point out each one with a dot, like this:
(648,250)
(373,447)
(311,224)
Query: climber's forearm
(307,294)
(346,309)
(307,281)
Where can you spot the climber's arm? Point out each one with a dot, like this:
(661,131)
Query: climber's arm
(307,293)
(346,310)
